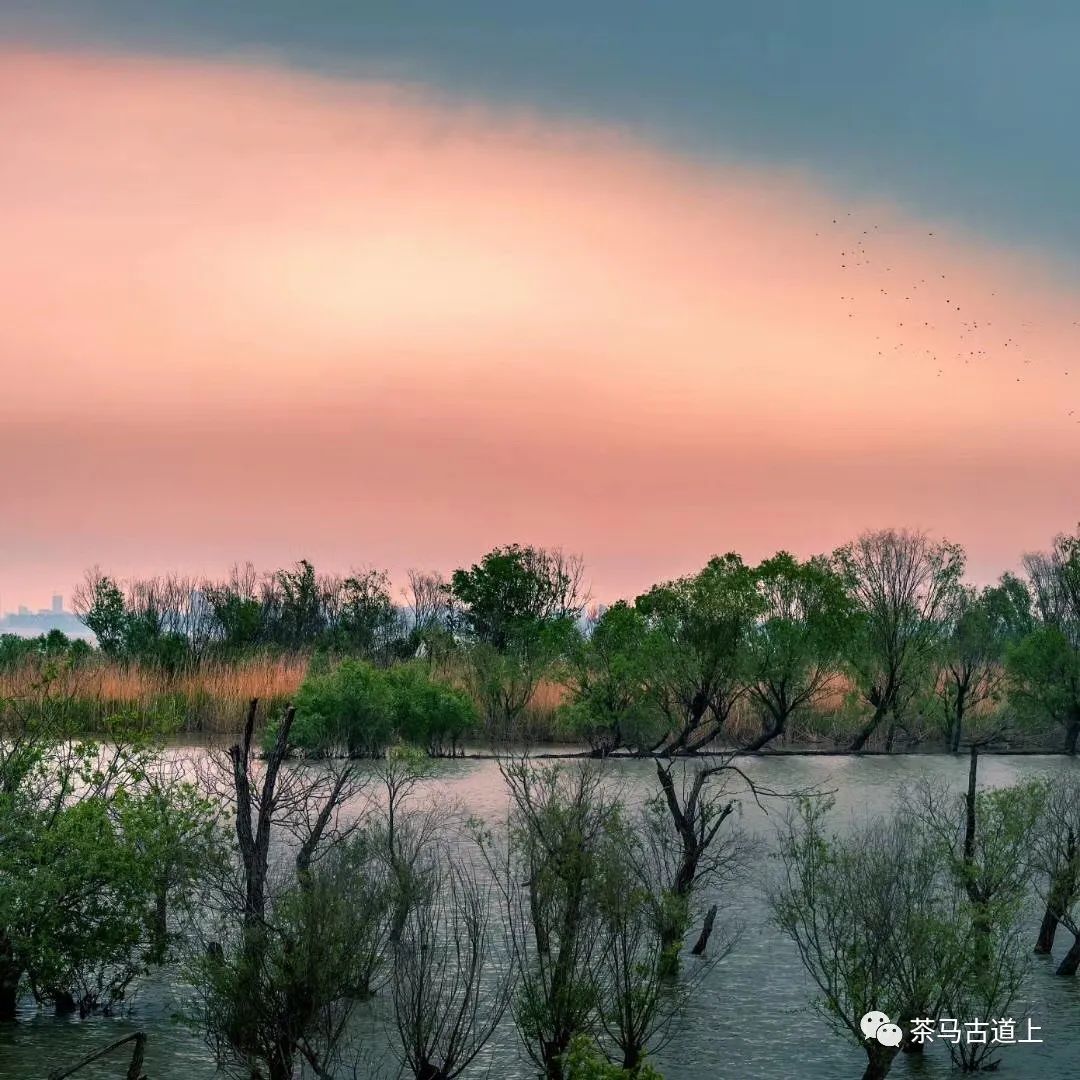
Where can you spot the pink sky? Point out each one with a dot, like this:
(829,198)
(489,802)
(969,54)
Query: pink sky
(251,314)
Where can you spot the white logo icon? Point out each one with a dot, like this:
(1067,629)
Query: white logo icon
(876,1025)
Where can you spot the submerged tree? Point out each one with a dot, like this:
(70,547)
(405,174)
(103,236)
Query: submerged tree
(278,983)
(551,876)
(873,921)
(1057,858)
(693,848)
(94,861)
(448,994)
(986,840)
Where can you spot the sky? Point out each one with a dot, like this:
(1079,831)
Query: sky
(392,283)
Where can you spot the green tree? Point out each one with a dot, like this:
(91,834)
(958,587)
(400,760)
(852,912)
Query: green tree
(502,599)
(987,839)
(797,642)
(695,649)
(278,982)
(1044,667)
(611,706)
(876,924)
(978,629)
(561,826)
(238,614)
(99,603)
(430,714)
(366,621)
(1044,681)
(349,709)
(86,841)
(295,603)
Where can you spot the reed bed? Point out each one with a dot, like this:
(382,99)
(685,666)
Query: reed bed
(209,699)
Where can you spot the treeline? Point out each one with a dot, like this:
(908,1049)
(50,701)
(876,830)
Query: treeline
(283,895)
(880,644)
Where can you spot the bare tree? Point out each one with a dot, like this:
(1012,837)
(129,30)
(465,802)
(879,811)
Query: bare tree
(427,597)
(550,877)
(568,594)
(690,851)
(280,982)
(639,1002)
(448,999)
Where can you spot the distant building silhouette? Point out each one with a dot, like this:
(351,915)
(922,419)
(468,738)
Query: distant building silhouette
(27,623)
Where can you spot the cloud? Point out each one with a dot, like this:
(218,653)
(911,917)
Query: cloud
(262,314)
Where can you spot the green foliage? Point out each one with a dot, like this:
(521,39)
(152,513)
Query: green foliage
(1044,680)
(288,986)
(349,710)
(366,620)
(1044,667)
(239,619)
(694,655)
(106,615)
(970,685)
(430,714)
(98,855)
(611,706)
(358,709)
(584,1061)
(797,642)
(514,590)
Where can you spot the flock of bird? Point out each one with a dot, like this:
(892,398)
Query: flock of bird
(951,335)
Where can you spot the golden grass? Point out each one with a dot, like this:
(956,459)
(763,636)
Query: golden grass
(211,698)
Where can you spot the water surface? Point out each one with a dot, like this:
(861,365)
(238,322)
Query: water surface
(752,1017)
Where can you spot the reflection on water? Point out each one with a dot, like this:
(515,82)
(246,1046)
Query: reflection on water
(751,1018)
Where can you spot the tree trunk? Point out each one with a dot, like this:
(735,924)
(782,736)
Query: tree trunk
(1071,960)
(135,1066)
(774,731)
(63,1003)
(1044,944)
(958,715)
(10,977)
(552,1051)
(879,1060)
(861,739)
(969,823)
(159,934)
(281,1063)
(671,940)
(706,932)
(1072,734)
(9,998)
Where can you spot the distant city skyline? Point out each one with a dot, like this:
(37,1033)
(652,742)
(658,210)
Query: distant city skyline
(28,621)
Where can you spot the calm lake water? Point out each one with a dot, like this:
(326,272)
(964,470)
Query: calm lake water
(752,1018)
